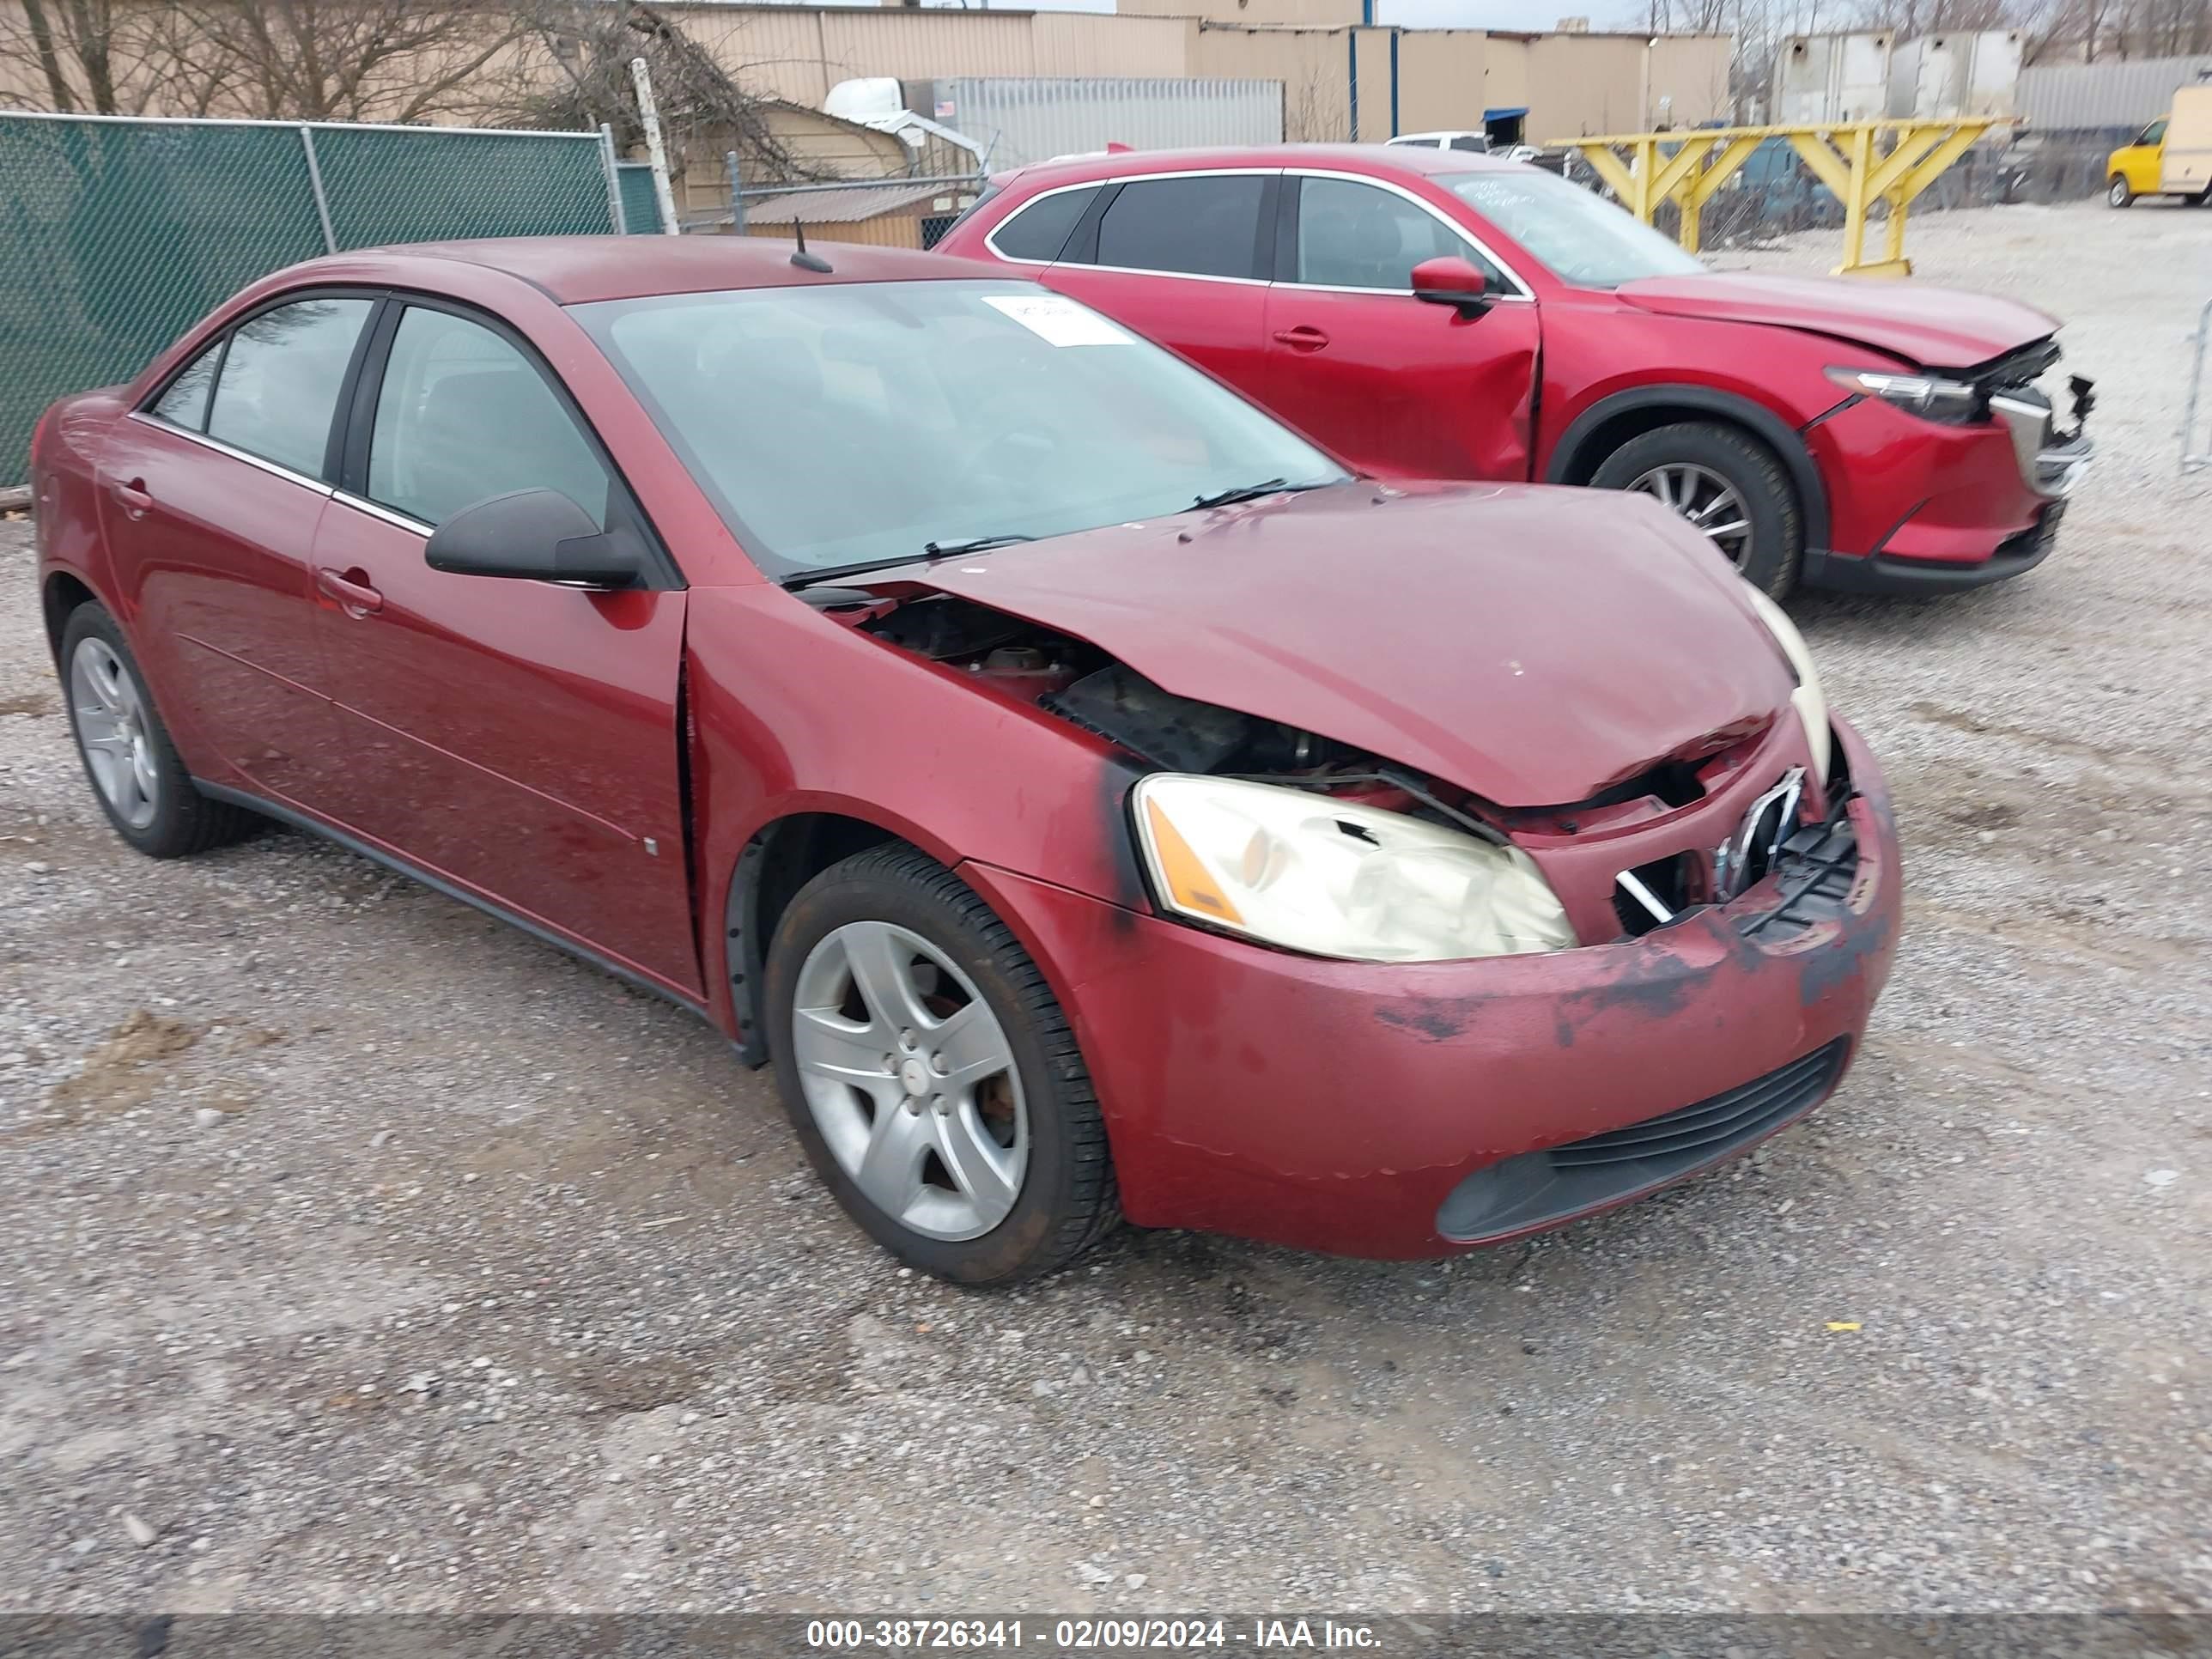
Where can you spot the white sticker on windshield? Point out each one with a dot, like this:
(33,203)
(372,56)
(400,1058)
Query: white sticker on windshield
(1059,321)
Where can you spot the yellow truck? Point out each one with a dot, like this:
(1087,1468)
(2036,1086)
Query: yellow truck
(2172,156)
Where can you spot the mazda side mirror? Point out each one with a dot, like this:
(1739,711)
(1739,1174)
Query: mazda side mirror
(536,535)
(1452,281)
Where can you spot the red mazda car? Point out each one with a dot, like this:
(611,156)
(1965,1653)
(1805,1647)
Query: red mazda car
(1089,797)
(1428,313)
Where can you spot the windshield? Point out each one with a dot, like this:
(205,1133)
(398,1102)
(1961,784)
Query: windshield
(1585,241)
(835,425)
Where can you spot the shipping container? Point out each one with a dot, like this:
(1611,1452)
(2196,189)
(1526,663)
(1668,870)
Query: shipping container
(2105,97)
(1965,72)
(1823,78)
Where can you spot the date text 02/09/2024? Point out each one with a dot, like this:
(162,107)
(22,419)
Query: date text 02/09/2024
(1085,1635)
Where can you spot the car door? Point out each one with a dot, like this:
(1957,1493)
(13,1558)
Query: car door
(2142,161)
(210,495)
(1179,258)
(1398,384)
(518,739)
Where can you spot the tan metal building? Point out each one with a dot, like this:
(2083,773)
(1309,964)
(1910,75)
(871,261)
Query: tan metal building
(1399,80)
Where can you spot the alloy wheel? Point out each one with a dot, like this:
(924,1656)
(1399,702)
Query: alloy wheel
(109,712)
(1705,501)
(910,1080)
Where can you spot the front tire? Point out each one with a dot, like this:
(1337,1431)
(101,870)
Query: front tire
(2117,193)
(134,768)
(931,1075)
(1724,483)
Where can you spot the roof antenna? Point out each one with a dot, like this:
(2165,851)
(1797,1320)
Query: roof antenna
(803,259)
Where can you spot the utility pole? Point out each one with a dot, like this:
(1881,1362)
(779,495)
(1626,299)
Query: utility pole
(648,115)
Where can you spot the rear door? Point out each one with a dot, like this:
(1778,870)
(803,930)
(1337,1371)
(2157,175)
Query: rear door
(1180,257)
(2186,157)
(1400,386)
(518,739)
(210,497)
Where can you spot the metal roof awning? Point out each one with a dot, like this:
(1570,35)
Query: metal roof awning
(1504,114)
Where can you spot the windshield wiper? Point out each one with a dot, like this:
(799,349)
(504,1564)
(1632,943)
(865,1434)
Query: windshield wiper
(973,544)
(1252,492)
(831,572)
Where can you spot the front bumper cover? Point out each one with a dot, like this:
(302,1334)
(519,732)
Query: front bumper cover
(1337,1106)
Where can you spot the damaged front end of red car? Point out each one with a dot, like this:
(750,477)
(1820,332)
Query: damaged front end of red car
(1731,905)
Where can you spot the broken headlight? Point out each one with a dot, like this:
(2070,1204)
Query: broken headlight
(1298,869)
(1808,700)
(1954,403)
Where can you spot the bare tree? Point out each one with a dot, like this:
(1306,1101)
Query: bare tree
(350,60)
(572,70)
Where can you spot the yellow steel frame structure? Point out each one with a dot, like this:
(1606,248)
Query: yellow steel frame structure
(1689,167)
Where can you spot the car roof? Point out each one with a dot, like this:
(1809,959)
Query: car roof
(1379,159)
(578,269)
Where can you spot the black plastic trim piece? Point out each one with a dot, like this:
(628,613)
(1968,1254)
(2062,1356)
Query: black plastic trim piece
(1812,493)
(1540,1189)
(298,820)
(1885,573)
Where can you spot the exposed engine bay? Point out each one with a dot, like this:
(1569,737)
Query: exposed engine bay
(1087,688)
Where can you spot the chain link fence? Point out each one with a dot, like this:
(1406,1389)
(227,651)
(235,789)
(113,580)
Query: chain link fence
(117,233)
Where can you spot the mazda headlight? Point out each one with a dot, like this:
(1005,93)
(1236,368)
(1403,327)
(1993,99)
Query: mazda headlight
(1810,702)
(1298,869)
(1954,403)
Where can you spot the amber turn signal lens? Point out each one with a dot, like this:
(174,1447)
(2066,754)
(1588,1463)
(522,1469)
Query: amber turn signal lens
(1188,882)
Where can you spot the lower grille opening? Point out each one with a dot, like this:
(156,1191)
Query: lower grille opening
(1538,1188)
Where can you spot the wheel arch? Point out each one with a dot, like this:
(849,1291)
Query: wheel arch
(1612,422)
(781,857)
(62,593)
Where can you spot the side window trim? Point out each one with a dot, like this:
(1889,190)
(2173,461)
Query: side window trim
(359,420)
(1286,255)
(1082,247)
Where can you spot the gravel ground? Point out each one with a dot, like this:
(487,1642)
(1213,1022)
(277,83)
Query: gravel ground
(357,1252)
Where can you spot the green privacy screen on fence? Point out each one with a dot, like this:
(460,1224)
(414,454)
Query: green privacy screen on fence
(640,207)
(116,235)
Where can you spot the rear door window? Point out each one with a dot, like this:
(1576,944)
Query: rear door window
(185,402)
(280,381)
(1205,226)
(1041,230)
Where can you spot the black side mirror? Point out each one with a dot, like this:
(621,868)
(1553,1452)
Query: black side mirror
(538,535)
(1452,281)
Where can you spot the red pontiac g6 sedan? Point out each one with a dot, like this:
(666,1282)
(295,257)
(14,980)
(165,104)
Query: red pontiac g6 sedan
(1091,797)
(1429,313)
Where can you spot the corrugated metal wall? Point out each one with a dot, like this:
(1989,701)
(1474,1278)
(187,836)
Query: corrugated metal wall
(2080,97)
(1036,118)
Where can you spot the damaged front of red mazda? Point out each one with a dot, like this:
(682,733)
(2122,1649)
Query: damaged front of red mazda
(1416,868)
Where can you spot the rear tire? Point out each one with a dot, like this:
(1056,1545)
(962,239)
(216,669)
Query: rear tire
(133,768)
(2117,193)
(1667,461)
(873,961)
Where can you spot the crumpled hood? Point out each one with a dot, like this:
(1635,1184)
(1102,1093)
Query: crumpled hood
(1531,645)
(1932,327)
